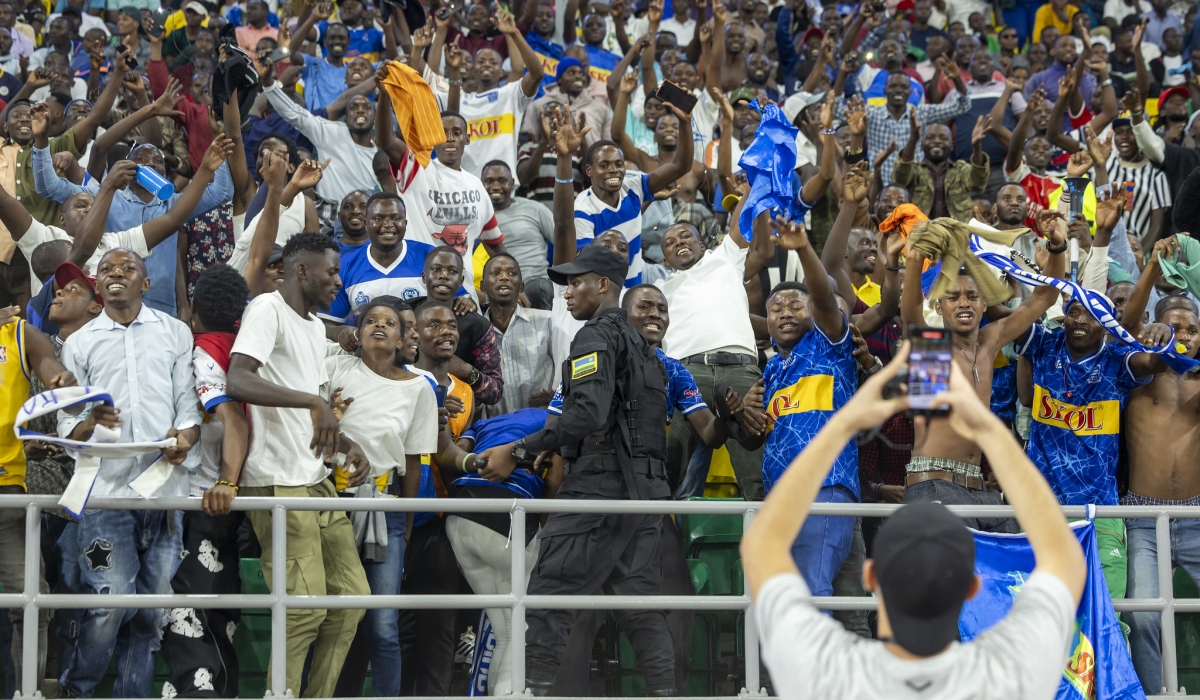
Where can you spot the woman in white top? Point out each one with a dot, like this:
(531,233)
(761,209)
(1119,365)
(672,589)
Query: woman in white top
(393,413)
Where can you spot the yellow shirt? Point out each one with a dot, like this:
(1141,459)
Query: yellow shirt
(1045,17)
(869,292)
(14,378)
(176,20)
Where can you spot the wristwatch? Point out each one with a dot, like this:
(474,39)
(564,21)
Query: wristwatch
(474,377)
(520,452)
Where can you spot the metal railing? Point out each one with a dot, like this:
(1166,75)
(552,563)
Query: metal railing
(279,602)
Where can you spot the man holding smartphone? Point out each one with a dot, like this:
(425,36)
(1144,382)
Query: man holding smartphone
(945,467)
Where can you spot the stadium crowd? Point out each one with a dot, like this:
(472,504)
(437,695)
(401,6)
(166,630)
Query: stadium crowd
(344,251)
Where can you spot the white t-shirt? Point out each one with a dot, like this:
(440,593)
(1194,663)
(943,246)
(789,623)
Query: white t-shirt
(38,233)
(388,419)
(447,207)
(810,655)
(493,121)
(593,217)
(291,222)
(291,349)
(705,297)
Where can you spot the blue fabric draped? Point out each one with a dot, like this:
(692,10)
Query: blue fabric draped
(768,164)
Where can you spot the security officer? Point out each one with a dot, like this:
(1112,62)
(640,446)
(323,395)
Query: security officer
(612,433)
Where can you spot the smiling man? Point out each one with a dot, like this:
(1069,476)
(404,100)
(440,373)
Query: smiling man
(940,186)
(528,229)
(130,551)
(348,146)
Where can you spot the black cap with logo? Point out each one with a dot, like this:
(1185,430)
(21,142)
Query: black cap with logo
(592,258)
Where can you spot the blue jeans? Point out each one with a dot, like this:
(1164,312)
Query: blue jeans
(1145,627)
(383,630)
(122,552)
(824,542)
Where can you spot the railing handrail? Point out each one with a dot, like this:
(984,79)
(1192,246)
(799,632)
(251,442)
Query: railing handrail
(518,600)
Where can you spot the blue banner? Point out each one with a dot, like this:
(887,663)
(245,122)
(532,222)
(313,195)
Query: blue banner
(768,163)
(1099,667)
(481,659)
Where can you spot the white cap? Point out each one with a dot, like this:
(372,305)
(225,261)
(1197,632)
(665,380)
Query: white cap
(196,7)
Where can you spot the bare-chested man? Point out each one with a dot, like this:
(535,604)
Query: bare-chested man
(1162,432)
(944,466)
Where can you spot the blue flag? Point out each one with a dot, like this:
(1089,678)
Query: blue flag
(768,164)
(1099,667)
(481,659)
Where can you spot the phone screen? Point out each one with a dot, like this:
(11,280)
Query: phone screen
(670,92)
(928,368)
(440,393)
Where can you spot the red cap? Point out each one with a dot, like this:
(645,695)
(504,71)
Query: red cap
(812,31)
(1180,90)
(905,6)
(68,271)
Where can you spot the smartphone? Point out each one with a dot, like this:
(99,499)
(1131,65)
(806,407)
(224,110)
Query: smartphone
(670,92)
(443,13)
(159,18)
(279,54)
(928,369)
(879,8)
(440,393)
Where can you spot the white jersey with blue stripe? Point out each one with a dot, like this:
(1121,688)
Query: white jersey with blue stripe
(364,279)
(593,217)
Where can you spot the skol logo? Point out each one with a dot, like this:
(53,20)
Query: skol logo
(490,127)
(1097,418)
(1080,670)
(813,393)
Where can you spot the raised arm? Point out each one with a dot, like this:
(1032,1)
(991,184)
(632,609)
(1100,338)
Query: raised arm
(649,77)
(876,316)
(633,55)
(566,141)
(274,172)
(86,127)
(91,227)
(1109,107)
(620,110)
(725,146)
(854,191)
(438,43)
(306,21)
(1054,128)
(386,137)
(532,79)
(164,106)
(1019,136)
(826,313)
(239,169)
(1000,132)
(681,163)
(337,109)
(712,71)
(815,188)
(421,39)
(1052,224)
(1139,61)
(159,228)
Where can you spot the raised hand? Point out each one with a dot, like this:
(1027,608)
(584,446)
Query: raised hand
(1168,248)
(668,193)
(566,139)
(39,117)
(274,169)
(1079,164)
(856,115)
(719,14)
(945,64)
(726,108)
(422,37)
(547,116)
(854,183)
(828,49)
(1133,100)
(1016,84)
(1109,207)
(883,156)
(1050,223)
(164,106)
(1138,33)
(982,126)
(1097,149)
(265,68)
(914,134)
(505,22)
(1066,85)
(1037,98)
(453,55)
(41,77)
(120,174)
(218,151)
(309,173)
(655,14)
(629,83)
(827,111)
(323,11)
(706,31)
(789,235)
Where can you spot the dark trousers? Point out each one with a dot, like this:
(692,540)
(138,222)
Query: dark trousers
(197,645)
(427,636)
(575,667)
(951,494)
(683,438)
(588,555)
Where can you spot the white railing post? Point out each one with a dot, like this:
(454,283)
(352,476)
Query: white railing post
(33,566)
(516,630)
(1166,591)
(279,607)
(750,628)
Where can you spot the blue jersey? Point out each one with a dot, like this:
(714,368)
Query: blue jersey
(593,217)
(549,53)
(1077,410)
(1004,388)
(364,41)
(682,392)
(363,279)
(501,430)
(803,391)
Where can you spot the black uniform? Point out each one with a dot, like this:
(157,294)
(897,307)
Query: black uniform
(614,419)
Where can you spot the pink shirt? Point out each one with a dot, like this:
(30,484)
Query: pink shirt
(248,37)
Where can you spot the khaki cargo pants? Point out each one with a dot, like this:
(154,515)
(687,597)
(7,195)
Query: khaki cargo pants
(322,559)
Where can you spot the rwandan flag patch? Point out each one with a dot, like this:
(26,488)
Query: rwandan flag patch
(582,367)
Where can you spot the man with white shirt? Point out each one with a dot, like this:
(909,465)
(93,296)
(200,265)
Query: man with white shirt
(704,292)
(922,573)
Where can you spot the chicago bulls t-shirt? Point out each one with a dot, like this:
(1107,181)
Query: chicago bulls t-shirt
(447,207)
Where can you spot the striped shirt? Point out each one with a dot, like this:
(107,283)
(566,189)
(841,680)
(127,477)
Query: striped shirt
(593,217)
(1145,188)
(525,359)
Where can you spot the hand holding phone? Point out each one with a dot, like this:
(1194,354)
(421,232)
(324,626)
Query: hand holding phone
(670,92)
(928,368)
